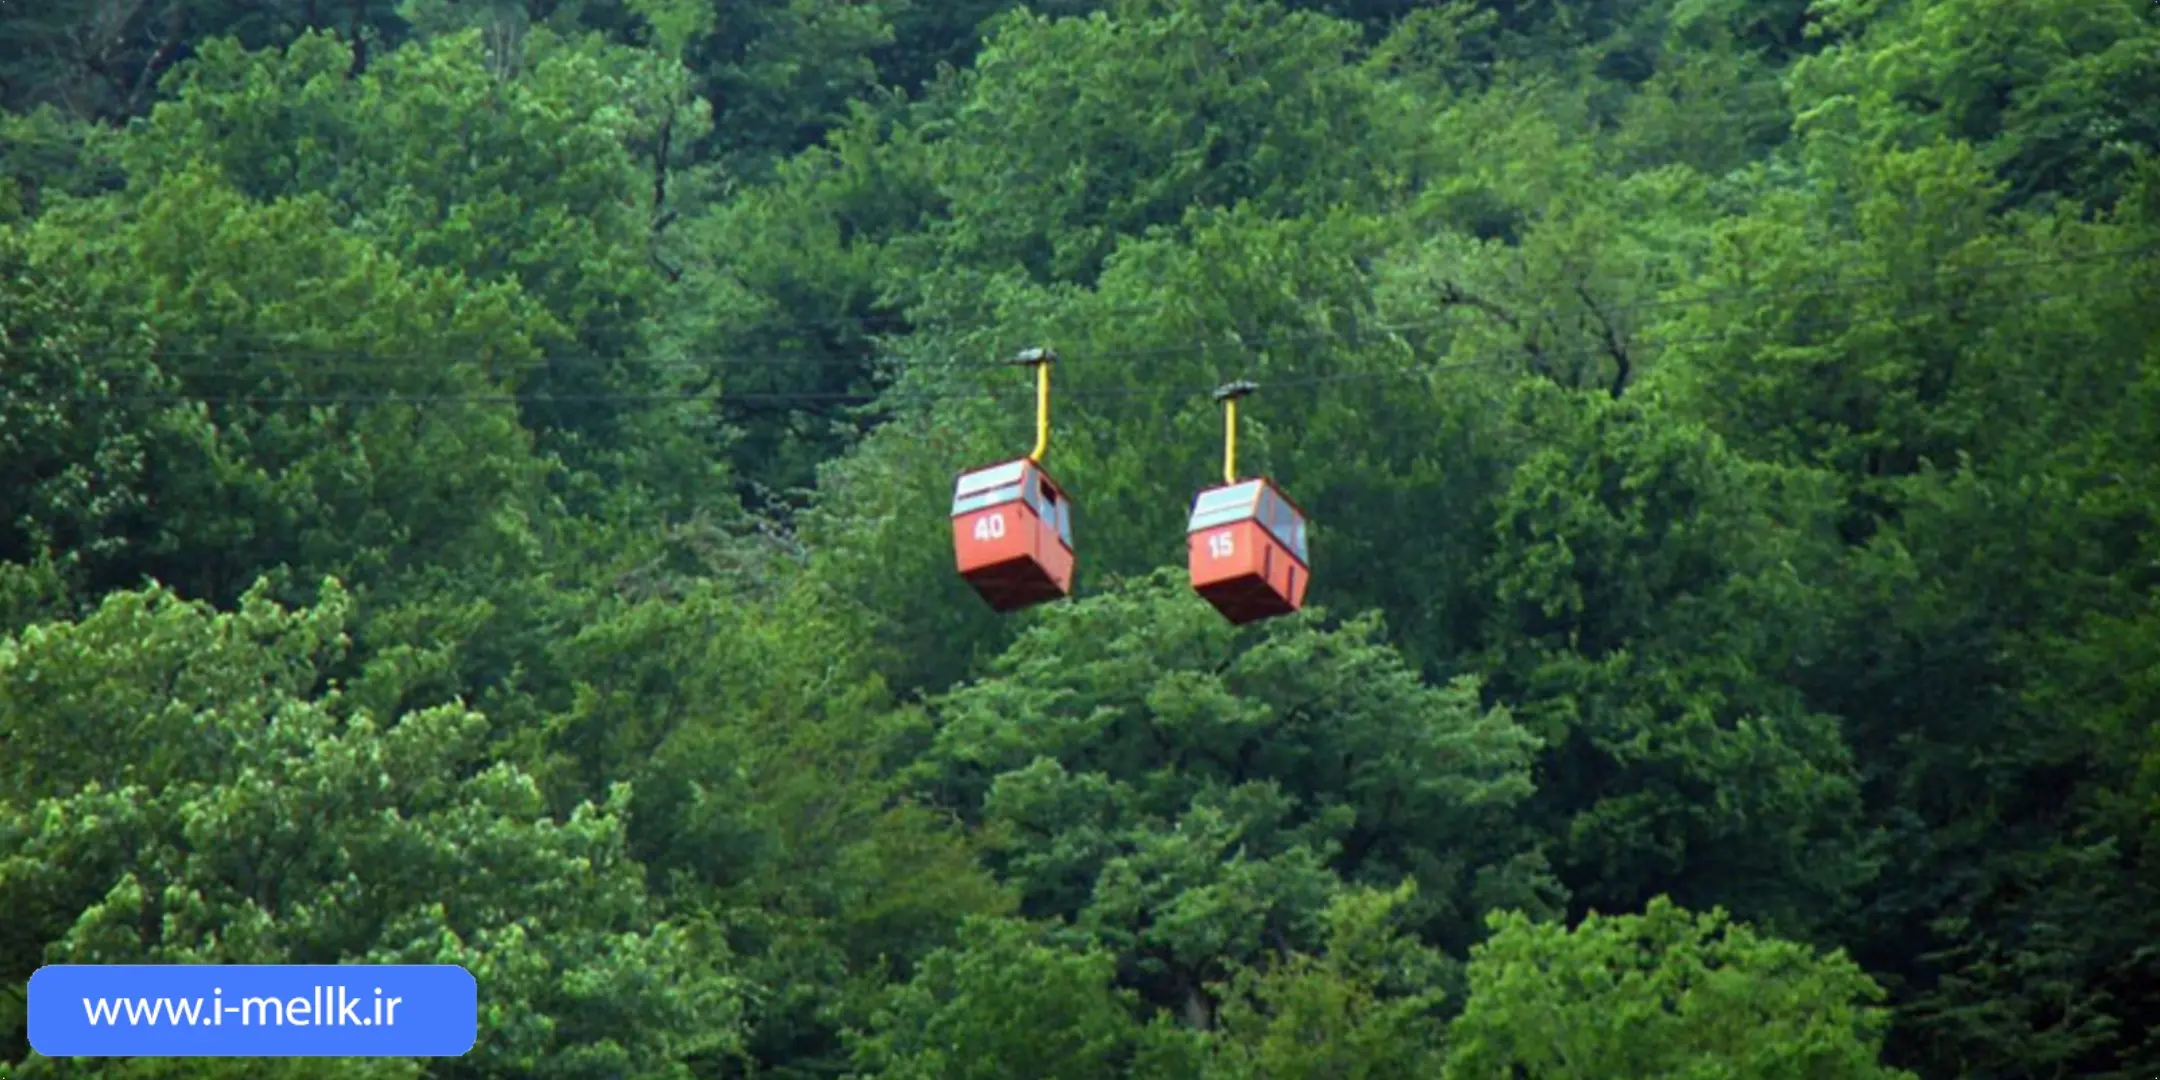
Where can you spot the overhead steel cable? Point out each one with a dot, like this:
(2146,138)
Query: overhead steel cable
(905,396)
(354,361)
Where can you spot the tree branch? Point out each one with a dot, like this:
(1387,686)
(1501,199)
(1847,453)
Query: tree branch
(356,17)
(146,79)
(1454,295)
(1616,345)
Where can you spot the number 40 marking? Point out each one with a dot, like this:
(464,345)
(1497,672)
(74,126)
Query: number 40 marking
(990,527)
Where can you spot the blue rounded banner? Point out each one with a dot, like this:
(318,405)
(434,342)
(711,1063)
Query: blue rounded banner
(268,1010)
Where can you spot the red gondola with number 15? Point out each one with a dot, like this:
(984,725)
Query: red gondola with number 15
(1245,542)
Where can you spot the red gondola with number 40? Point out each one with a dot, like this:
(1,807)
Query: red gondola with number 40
(1012,525)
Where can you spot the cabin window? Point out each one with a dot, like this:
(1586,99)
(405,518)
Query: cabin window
(1057,512)
(1290,529)
(989,487)
(1223,506)
(993,497)
(1282,521)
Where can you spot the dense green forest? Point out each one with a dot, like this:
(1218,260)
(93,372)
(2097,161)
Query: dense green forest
(474,480)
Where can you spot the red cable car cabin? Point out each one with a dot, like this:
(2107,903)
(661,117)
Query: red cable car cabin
(1012,534)
(1245,545)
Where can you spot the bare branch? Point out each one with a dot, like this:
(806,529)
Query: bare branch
(1616,345)
(1454,295)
